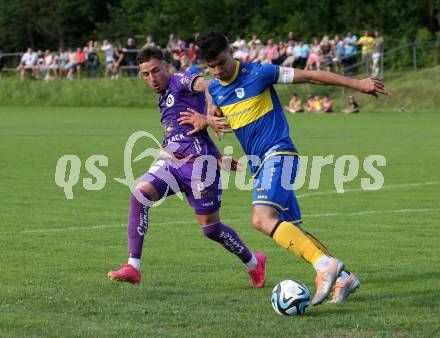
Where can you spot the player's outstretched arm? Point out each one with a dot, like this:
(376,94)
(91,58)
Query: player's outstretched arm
(370,85)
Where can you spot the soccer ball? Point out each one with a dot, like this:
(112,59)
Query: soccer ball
(290,298)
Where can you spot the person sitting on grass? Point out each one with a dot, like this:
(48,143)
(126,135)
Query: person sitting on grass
(308,107)
(353,107)
(313,104)
(294,105)
(326,105)
(317,106)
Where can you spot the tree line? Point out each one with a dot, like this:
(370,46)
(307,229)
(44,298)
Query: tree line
(49,24)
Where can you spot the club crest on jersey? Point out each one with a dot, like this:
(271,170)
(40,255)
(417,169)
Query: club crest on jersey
(240,92)
(170,100)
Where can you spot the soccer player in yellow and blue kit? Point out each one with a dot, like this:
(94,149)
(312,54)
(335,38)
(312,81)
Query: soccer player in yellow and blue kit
(245,94)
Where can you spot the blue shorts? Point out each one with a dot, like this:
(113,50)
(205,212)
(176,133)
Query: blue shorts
(273,186)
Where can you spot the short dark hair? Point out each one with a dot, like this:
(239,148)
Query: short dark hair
(211,44)
(148,53)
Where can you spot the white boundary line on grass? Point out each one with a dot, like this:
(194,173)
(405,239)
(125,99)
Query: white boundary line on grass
(329,214)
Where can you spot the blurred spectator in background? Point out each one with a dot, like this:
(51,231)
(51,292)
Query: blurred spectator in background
(240,51)
(80,61)
(314,55)
(28,63)
(181,44)
(46,65)
(253,52)
(174,50)
(118,57)
(40,64)
(338,53)
(175,56)
(308,107)
(54,65)
(92,59)
(193,53)
(297,52)
(255,40)
(261,54)
(130,54)
(367,43)
(239,42)
(350,53)
(282,53)
(317,104)
(40,60)
(71,64)
(377,54)
(304,54)
(326,52)
(63,60)
(149,42)
(187,65)
(294,105)
(107,48)
(171,44)
(321,54)
(291,56)
(326,105)
(353,107)
(270,51)
(236,53)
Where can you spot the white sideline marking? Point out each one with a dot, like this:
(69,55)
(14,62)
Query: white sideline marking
(327,214)
(331,192)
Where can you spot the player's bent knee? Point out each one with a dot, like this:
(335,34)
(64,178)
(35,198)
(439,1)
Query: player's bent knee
(149,189)
(140,197)
(263,224)
(204,220)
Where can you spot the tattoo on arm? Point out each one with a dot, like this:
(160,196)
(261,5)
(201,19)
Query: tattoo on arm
(200,84)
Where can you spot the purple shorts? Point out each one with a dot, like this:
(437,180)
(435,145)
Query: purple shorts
(199,181)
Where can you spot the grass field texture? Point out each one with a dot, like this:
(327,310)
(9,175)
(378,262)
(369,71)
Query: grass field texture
(55,252)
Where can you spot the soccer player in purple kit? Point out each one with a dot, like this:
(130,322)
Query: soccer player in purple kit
(178,162)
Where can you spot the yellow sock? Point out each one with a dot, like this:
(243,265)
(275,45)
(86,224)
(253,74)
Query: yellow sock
(295,239)
(320,246)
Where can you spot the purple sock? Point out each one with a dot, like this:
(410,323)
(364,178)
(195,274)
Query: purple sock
(229,239)
(137,224)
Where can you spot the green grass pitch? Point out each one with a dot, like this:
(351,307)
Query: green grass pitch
(55,252)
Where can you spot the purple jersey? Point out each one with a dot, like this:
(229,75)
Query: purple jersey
(176,98)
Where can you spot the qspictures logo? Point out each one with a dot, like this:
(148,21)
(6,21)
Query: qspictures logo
(345,169)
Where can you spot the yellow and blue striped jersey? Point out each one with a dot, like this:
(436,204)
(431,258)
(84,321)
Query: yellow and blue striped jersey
(253,110)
